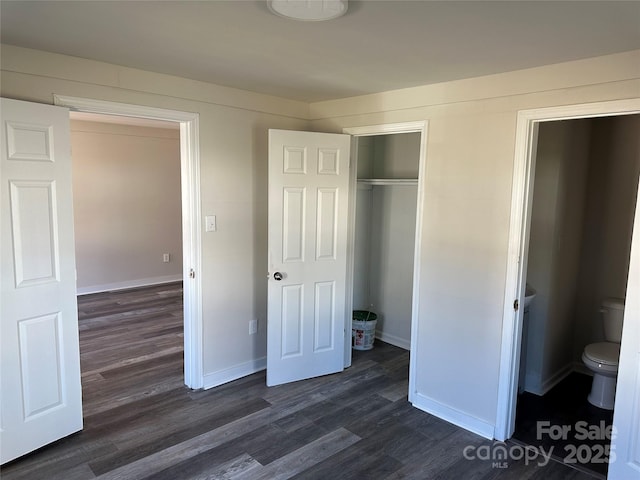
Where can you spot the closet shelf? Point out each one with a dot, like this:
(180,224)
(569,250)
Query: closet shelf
(388,181)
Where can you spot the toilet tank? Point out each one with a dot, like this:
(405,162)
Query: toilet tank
(612,314)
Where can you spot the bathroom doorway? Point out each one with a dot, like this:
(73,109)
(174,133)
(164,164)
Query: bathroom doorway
(559,226)
(582,210)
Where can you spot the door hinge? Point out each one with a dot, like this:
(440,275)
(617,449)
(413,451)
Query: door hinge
(516,305)
(192,273)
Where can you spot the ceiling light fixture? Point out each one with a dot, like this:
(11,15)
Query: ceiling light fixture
(308,10)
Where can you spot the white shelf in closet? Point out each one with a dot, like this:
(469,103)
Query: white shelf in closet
(388,181)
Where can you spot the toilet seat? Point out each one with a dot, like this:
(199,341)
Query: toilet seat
(605,353)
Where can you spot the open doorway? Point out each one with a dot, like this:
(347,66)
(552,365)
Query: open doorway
(190,210)
(128,237)
(582,210)
(569,289)
(388,184)
(127,202)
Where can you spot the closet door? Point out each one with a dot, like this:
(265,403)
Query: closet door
(308,199)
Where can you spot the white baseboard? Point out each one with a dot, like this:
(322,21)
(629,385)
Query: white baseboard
(230,374)
(532,384)
(142,282)
(580,367)
(451,415)
(556,378)
(393,340)
(540,387)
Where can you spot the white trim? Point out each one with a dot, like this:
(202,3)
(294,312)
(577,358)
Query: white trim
(556,378)
(388,181)
(451,415)
(541,387)
(233,373)
(90,105)
(394,340)
(523,171)
(580,367)
(140,282)
(351,240)
(191,228)
(387,129)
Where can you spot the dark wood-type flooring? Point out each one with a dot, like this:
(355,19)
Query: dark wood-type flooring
(566,406)
(142,423)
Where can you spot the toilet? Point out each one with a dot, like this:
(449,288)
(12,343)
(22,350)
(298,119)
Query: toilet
(602,358)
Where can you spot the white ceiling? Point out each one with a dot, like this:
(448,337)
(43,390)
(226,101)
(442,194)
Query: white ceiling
(376,46)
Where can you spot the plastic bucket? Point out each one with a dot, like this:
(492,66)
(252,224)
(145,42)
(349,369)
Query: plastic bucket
(363,329)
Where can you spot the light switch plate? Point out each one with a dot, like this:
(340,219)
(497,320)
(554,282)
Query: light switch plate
(210,223)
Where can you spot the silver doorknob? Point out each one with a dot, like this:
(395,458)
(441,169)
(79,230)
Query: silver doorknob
(277,276)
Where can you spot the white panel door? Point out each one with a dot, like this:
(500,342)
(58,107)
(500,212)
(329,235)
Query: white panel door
(308,210)
(41,399)
(625,444)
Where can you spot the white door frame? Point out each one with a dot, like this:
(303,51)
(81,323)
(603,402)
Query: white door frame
(521,200)
(191,228)
(387,129)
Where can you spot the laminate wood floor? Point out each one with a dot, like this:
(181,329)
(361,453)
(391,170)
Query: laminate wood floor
(141,422)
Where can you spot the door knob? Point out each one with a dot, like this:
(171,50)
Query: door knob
(277,276)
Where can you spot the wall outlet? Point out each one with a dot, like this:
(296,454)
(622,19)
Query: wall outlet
(253,327)
(165,257)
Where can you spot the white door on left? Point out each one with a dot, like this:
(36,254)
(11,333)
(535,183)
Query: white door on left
(41,397)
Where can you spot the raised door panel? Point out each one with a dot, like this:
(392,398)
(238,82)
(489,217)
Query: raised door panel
(327,224)
(41,364)
(293,226)
(35,232)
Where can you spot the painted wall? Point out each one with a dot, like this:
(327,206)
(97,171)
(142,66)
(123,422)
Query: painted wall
(127,205)
(465,210)
(393,227)
(613,189)
(233,157)
(555,244)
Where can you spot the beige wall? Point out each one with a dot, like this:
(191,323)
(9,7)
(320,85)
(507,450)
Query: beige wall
(555,241)
(127,205)
(466,211)
(233,156)
(465,214)
(609,212)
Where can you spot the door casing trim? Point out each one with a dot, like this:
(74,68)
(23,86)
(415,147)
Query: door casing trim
(191,228)
(521,200)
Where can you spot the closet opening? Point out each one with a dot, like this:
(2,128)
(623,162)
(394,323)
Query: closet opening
(385,232)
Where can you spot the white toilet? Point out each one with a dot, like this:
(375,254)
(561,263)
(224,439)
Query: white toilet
(602,358)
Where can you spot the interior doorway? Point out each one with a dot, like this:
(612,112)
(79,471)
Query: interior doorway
(128,245)
(522,202)
(387,182)
(127,202)
(190,188)
(586,179)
